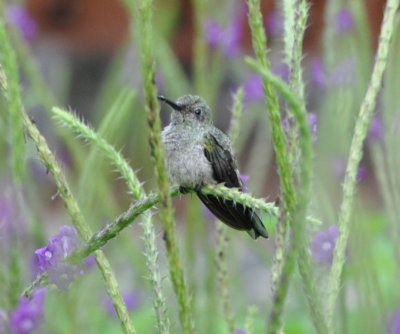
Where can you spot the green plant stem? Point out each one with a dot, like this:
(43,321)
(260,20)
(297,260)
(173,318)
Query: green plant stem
(49,161)
(285,171)
(222,273)
(294,212)
(14,120)
(355,155)
(237,112)
(100,238)
(296,79)
(301,244)
(153,119)
(136,190)
(79,222)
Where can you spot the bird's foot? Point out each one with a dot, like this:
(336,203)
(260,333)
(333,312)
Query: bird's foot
(186,190)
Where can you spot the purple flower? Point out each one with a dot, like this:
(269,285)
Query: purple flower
(240,331)
(245,179)
(89,261)
(19,17)
(231,40)
(281,70)
(253,89)
(274,24)
(51,257)
(339,168)
(213,32)
(313,124)
(344,20)
(376,128)
(323,245)
(28,315)
(131,300)
(228,39)
(318,75)
(59,247)
(394,326)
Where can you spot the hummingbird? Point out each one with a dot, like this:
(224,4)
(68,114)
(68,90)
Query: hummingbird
(197,153)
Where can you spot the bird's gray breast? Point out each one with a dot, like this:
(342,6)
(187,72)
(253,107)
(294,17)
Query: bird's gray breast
(184,153)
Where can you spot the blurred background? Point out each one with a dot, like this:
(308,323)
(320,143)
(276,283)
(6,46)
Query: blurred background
(83,55)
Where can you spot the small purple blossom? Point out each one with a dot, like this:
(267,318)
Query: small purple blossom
(232,39)
(312,121)
(213,32)
(240,331)
(28,315)
(253,89)
(131,300)
(318,75)
(19,17)
(394,325)
(89,262)
(245,179)
(281,70)
(51,257)
(59,247)
(339,168)
(344,20)
(313,124)
(323,245)
(228,39)
(274,24)
(375,129)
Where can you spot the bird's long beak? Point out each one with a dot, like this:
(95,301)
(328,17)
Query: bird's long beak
(174,105)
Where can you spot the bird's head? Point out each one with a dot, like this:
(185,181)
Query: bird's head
(189,110)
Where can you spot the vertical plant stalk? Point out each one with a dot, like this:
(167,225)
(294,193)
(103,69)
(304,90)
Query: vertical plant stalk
(14,120)
(236,118)
(79,222)
(296,70)
(153,118)
(49,161)
(223,240)
(285,172)
(299,239)
(136,190)
(298,108)
(151,252)
(250,316)
(355,155)
(222,273)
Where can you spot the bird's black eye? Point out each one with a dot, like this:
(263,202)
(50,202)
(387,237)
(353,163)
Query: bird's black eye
(197,112)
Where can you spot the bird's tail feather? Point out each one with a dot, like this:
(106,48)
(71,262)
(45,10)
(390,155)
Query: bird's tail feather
(235,215)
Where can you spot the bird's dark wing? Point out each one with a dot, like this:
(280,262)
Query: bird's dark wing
(225,171)
(222,162)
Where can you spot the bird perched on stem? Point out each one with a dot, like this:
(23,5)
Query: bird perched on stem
(197,153)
